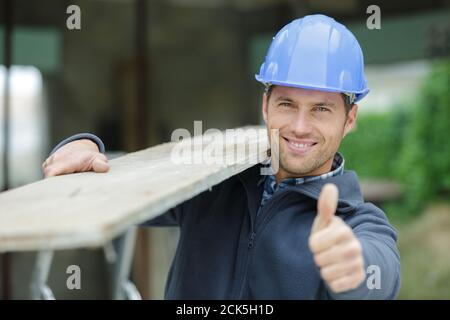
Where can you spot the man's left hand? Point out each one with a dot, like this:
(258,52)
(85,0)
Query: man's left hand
(336,249)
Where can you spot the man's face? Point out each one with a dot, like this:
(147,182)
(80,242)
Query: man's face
(311,126)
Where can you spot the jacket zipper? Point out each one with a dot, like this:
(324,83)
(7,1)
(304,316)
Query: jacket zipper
(251,242)
(258,222)
(252,239)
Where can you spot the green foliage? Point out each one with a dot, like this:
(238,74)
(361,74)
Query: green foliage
(410,144)
(374,145)
(424,163)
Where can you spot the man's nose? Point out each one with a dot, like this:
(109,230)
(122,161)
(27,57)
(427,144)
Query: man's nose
(302,123)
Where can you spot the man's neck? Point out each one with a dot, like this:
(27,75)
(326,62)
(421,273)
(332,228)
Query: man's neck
(325,168)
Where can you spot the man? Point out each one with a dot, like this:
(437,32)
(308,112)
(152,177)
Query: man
(278,236)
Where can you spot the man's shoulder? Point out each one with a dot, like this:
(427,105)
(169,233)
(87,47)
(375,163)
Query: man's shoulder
(229,184)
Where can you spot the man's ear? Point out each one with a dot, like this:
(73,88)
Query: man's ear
(264,107)
(351,119)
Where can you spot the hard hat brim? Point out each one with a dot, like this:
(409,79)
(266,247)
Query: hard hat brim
(359,94)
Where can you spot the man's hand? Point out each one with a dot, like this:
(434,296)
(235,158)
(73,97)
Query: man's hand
(337,251)
(76,156)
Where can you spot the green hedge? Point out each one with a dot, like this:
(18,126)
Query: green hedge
(426,148)
(410,144)
(372,149)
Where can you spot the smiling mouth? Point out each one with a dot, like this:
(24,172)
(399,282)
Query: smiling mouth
(301,146)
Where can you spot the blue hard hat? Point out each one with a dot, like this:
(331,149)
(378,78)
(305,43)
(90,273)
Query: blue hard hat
(316,52)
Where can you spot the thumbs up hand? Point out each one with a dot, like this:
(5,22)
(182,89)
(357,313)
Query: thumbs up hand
(337,251)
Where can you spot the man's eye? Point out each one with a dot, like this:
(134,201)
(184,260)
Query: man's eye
(285,104)
(321,109)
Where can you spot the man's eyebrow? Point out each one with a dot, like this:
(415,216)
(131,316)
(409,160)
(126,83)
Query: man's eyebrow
(284,98)
(324,103)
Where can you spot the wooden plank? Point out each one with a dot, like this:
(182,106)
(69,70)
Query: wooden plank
(88,209)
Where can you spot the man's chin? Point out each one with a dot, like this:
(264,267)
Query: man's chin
(297,172)
(295,169)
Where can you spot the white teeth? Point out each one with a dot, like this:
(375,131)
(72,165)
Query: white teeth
(300,145)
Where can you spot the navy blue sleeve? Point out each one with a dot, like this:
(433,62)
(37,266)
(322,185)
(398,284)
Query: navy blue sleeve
(80,136)
(171,218)
(381,257)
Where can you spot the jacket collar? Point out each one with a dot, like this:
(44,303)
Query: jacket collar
(350,196)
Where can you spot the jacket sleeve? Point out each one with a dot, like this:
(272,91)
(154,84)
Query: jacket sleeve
(79,136)
(381,257)
(171,218)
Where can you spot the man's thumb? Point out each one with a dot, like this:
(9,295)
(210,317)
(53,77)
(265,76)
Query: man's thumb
(326,206)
